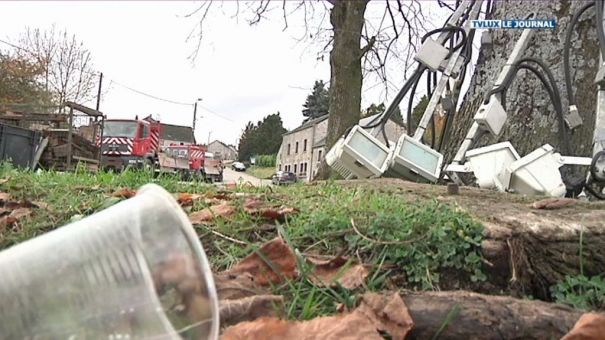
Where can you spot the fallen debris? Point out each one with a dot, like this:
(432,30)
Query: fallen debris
(591,326)
(186,199)
(124,193)
(553,203)
(249,308)
(337,270)
(375,314)
(208,214)
(272,263)
(476,316)
(256,206)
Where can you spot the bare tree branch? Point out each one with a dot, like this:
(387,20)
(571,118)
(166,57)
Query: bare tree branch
(285,17)
(260,10)
(368,46)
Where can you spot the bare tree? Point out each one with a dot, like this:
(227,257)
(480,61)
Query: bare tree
(343,38)
(68,72)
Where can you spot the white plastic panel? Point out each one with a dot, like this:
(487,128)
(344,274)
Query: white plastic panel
(488,163)
(536,174)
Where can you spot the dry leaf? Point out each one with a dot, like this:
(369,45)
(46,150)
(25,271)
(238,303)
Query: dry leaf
(208,214)
(590,326)
(249,308)
(387,313)
(124,193)
(255,206)
(4,196)
(276,263)
(42,205)
(328,272)
(198,217)
(376,313)
(553,203)
(187,199)
(230,287)
(20,213)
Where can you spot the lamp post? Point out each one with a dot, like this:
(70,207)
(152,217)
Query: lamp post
(195,113)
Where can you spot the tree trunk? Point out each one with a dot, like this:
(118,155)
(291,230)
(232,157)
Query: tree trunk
(486,317)
(347,19)
(532,120)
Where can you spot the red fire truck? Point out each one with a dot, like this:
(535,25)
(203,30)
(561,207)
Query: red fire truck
(138,144)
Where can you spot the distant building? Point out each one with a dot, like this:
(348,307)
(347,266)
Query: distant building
(303,148)
(222,151)
(174,134)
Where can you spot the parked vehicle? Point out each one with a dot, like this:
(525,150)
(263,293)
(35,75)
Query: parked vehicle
(136,143)
(213,169)
(238,166)
(283,177)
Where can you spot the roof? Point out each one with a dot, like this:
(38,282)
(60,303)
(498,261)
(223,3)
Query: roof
(307,124)
(178,133)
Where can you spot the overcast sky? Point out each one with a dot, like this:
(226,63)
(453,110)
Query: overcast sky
(242,73)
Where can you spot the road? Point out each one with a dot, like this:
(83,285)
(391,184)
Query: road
(232,176)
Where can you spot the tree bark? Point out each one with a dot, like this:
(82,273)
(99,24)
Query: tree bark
(486,317)
(347,19)
(532,120)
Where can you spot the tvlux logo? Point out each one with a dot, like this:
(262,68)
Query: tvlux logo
(514,24)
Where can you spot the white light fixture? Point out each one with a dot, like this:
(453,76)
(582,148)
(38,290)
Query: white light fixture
(415,161)
(488,163)
(491,116)
(536,174)
(358,155)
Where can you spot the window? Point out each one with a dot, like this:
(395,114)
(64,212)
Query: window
(145,131)
(305,168)
(279,167)
(294,168)
(296,148)
(319,156)
(301,168)
(305,146)
(288,149)
(119,128)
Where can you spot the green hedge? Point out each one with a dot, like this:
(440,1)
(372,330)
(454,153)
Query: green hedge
(266,160)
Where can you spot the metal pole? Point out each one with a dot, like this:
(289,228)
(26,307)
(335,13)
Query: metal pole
(69,138)
(99,91)
(194,115)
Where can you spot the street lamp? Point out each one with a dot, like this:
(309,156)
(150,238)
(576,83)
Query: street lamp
(195,112)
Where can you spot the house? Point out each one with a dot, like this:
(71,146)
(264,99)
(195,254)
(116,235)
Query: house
(174,134)
(303,148)
(222,151)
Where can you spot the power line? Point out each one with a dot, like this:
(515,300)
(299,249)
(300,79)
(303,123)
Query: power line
(131,88)
(150,95)
(217,114)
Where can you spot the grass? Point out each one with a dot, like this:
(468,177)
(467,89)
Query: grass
(261,172)
(408,243)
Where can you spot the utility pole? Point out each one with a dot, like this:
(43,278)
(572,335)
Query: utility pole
(99,91)
(195,113)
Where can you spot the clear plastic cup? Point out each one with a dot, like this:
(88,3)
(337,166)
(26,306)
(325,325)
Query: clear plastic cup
(135,270)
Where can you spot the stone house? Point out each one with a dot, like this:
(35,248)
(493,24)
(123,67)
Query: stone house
(222,151)
(303,148)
